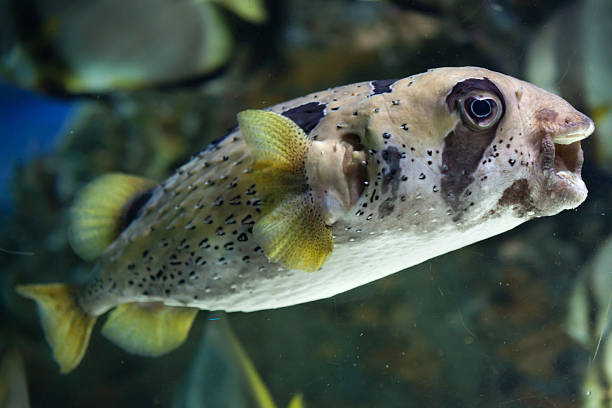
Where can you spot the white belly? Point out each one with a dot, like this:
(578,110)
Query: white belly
(353,264)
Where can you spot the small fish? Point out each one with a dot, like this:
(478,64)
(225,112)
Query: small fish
(588,323)
(311,198)
(106,46)
(580,25)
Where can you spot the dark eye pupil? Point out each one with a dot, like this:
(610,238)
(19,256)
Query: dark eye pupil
(481,108)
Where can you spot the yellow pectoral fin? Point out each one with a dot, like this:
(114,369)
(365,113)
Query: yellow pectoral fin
(295,235)
(276,141)
(66,326)
(148,329)
(292,230)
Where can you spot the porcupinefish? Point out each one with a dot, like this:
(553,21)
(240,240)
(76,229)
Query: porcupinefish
(311,198)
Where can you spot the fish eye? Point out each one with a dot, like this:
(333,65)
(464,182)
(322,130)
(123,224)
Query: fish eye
(480,112)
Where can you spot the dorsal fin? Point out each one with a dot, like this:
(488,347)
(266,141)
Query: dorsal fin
(292,230)
(103,208)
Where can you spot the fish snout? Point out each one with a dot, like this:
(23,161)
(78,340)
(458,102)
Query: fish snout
(565,127)
(561,156)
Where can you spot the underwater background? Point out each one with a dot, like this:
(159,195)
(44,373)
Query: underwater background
(87,88)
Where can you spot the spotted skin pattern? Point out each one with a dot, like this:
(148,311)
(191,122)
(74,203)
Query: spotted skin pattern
(192,242)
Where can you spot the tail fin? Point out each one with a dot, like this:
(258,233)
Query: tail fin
(66,326)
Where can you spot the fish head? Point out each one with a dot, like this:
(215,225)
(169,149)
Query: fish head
(463,144)
(511,146)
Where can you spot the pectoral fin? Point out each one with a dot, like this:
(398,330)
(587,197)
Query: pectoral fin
(295,235)
(148,329)
(291,231)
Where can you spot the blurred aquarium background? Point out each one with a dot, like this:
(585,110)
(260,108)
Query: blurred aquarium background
(519,320)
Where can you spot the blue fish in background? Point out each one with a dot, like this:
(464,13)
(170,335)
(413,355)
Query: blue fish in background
(29,124)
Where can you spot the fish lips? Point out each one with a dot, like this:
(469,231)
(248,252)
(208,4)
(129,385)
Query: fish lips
(561,159)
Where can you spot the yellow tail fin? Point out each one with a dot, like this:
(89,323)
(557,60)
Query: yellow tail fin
(66,326)
(148,329)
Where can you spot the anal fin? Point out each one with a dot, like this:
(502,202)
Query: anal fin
(148,329)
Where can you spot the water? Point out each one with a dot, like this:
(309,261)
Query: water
(519,320)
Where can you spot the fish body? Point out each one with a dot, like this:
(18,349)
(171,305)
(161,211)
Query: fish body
(197,227)
(378,176)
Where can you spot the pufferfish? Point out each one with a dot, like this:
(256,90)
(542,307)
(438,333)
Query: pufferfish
(313,197)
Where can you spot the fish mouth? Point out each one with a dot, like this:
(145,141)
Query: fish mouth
(561,162)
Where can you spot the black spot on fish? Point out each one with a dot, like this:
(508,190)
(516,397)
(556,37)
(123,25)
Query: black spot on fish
(307,116)
(386,208)
(517,196)
(133,208)
(382,86)
(464,147)
(248,220)
(463,150)
(392,157)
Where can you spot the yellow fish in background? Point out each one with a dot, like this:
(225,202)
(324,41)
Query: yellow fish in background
(311,198)
(222,374)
